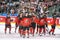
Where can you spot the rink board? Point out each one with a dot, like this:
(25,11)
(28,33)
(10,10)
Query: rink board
(15,19)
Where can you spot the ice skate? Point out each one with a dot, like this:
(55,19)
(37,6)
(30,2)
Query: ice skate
(53,34)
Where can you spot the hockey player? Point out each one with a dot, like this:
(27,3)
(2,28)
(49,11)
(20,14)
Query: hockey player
(36,22)
(8,24)
(53,24)
(26,24)
(46,23)
(41,25)
(33,25)
(16,23)
(20,24)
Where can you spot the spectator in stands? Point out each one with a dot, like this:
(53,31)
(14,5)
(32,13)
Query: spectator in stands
(0,8)
(4,9)
(13,13)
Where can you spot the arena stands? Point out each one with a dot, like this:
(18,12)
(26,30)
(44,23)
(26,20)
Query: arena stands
(31,5)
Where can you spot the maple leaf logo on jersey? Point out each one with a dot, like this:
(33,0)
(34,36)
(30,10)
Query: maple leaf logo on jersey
(42,20)
(26,20)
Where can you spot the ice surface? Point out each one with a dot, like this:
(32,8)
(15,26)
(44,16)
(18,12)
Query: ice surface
(15,36)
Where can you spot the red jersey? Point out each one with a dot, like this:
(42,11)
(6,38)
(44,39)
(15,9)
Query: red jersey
(45,20)
(53,21)
(42,22)
(20,22)
(26,22)
(8,20)
(17,21)
(36,20)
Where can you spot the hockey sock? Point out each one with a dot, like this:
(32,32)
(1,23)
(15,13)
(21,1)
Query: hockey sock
(28,33)
(15,29)
(20,31)
(53,31)
(40,30)
(44,30)
(9,30)
(5,30)
(37,30)
(31,29)
(24,33)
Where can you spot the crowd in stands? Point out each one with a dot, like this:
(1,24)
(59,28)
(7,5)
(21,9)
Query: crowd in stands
(36,7)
